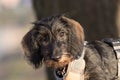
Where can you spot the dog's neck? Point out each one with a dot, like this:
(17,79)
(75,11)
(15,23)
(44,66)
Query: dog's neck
(73,69)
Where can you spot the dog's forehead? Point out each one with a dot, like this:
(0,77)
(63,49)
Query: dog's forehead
(57,25)
(52,24)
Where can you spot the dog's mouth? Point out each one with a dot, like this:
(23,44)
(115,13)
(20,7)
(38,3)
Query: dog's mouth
(60,72)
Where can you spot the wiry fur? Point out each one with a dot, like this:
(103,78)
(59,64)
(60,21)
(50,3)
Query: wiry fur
(38,51)
(58,40)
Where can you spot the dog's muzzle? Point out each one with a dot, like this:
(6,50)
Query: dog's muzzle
(74,70)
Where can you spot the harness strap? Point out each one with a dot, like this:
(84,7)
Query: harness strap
(76,68)
(116,46)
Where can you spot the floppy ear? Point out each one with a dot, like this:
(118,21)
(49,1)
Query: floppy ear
(76,36)
(31,49)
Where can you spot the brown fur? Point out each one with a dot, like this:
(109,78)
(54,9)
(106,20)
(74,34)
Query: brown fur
(78,28)
(61,63)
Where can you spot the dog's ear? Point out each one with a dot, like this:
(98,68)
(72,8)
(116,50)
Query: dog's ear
(76,35)
(31,49)
(76,26)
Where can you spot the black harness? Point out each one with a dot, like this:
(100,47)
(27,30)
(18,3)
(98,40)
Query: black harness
(115,43)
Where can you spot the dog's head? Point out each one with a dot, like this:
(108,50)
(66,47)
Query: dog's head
(55,40)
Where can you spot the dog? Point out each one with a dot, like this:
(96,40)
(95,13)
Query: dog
(57,41)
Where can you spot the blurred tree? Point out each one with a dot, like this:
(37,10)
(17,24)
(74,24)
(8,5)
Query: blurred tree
(98,17)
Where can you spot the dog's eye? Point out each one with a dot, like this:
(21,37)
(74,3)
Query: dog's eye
(45,38)
(62,34)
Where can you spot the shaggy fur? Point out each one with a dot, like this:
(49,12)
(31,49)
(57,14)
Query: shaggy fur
(58,40)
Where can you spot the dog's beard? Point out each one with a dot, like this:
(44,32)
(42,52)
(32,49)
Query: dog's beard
(62,62)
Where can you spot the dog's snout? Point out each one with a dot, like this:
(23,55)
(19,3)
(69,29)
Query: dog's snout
(55,57)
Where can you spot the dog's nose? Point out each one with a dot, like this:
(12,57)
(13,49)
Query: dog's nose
(56,58)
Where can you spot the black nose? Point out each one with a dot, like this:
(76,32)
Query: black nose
(56,58)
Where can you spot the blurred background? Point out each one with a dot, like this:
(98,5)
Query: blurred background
(99,18)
